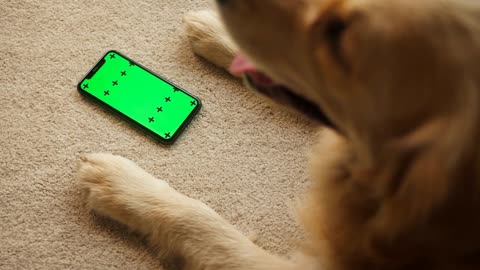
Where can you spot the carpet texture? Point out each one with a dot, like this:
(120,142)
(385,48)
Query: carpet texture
(242,156)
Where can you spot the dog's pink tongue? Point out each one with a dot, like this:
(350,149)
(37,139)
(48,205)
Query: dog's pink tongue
(241,66)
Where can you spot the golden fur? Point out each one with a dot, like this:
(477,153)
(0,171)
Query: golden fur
(396,188)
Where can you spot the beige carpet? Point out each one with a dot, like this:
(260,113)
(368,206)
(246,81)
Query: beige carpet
(241,156)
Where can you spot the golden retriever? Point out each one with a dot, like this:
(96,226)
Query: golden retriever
(396,174)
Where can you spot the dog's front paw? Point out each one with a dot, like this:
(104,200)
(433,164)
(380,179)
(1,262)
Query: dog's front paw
(115,186)
(209,38)
(176,225)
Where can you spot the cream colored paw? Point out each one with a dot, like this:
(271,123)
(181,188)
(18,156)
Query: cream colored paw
(209,37)
(115,186)
(175,225)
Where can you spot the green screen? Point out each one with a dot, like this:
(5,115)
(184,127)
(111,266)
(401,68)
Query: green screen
(140,95)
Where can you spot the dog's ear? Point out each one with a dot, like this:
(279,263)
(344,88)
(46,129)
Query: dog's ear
(412,178)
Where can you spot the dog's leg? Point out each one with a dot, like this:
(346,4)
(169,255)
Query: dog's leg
(209,38)
(179,227)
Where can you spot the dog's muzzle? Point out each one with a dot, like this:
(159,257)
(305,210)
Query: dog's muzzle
(286,97)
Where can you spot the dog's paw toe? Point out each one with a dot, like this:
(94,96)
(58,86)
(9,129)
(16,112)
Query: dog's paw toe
(108,182)
(209,38)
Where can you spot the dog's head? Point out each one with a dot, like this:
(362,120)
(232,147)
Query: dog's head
(399,79)
(377,69)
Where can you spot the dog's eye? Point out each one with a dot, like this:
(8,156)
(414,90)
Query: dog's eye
(334,30)
(333,33)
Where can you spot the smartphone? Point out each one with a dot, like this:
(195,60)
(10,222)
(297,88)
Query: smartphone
(154,104)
